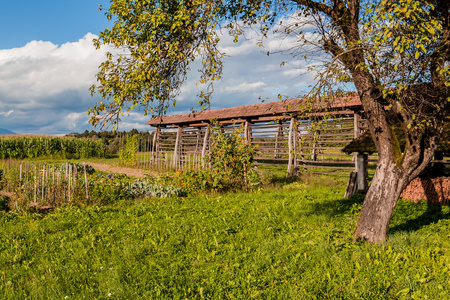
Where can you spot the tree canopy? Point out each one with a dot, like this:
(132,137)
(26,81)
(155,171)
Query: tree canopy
(396,52)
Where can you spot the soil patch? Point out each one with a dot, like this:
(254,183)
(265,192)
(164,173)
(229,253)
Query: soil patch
(120,170)
(436,190)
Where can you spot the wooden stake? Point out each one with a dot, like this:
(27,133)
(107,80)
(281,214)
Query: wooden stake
(290,147)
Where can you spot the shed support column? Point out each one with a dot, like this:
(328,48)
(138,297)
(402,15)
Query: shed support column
(295,137)
(199,139)
(205,144)
(156,144)
(290,148)
(356,134)
(176,151)
(277,139)
(314,146)
(248,131)
(362,172)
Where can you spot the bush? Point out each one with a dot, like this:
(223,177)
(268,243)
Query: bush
(80,168)
(147,190)
(128,153)
(232,163)
(195,181)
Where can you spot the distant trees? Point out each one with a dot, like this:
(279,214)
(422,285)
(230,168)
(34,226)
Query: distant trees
(114,139)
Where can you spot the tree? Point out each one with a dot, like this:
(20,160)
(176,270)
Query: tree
(396,53)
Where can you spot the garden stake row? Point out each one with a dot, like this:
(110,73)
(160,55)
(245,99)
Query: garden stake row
(44,184)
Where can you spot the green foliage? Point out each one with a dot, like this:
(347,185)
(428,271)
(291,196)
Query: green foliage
(292,243)
(232,166)
(112,139)
(106,192)
(23,147)
(162,39)
(196,181)
(80,168)
(147,190)
(407,39)
(231,157)
(128,152)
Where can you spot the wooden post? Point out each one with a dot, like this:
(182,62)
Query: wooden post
(205,144)
(290,147)
(361,172)
(356,134)
(176,151)
(199,139)
(295,140)
(248,131)
(86,182)
(155,144)
(279,136)
(314,146)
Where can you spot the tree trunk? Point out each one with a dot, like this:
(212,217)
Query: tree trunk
(379,203)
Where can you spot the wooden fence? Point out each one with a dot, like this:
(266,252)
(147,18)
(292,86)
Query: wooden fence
(44,184)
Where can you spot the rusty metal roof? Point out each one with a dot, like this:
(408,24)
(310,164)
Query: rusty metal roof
(253,112)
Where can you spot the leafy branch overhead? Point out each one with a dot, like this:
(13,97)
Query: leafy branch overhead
(155,43)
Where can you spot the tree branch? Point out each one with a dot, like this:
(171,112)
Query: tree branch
(316,6)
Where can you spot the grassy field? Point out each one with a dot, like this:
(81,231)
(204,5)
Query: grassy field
(286,242)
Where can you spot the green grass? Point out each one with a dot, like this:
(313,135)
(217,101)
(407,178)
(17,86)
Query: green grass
(289,242)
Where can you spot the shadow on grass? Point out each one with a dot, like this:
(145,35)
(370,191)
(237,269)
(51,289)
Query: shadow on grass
(432,214)
(338,207)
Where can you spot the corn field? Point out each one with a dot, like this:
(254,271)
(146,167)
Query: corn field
(23,147)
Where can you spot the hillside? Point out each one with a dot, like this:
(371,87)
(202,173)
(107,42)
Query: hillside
(6,131)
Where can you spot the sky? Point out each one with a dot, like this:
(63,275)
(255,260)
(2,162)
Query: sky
(48,63)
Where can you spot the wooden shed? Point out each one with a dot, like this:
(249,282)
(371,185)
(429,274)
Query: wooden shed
(286,132)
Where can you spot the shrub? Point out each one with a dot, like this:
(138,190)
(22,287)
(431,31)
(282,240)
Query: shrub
(80,168)
(107,192)
(232,164)
(195,181)
(128,152)
(231,157)
(147,190)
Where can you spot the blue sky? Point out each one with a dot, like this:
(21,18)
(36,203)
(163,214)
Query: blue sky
(58,21)
(48,63)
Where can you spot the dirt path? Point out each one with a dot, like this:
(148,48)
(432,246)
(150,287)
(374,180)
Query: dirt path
(121,170)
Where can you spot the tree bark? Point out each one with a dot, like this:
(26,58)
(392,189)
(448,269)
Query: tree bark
(380,201)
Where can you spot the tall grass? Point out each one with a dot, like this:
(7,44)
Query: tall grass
(293,242)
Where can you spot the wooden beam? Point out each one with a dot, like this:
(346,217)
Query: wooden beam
(279,136)
(295,140)
(176,151)
(290,147)
(156,144)
(205,144)
(248,131)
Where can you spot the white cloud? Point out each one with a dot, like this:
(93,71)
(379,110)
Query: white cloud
(245,87)
(7,113)
(44,87)
(41,69)
(47,85)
